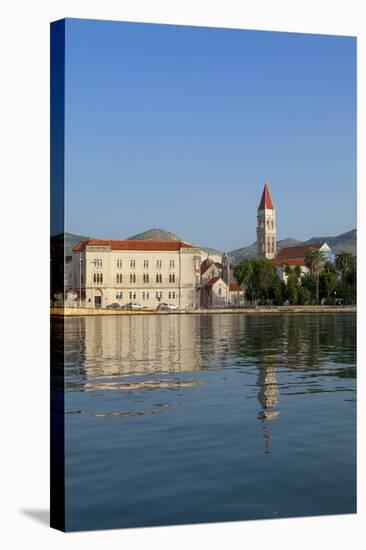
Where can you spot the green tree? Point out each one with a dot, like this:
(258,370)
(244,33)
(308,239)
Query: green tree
(260,279)
(328,281)
(243,274)
(314,261)
(293,275)
(345,263)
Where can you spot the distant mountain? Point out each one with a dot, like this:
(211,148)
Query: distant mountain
(344,242)
(69,240)
(251,251)
(155,234)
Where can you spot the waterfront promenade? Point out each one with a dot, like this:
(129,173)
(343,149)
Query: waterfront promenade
(80,311)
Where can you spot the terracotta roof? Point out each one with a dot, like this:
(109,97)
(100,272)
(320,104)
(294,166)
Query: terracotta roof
(234,287)
(296,251)
(134,245)
(266,201)
(205,265)
(212,281)
(289,261)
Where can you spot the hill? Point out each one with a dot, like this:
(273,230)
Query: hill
(346,241)
(155,234)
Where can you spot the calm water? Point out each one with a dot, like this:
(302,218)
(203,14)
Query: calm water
(200,418)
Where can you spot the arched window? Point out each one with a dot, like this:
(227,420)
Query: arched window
(101,277)
(220,291)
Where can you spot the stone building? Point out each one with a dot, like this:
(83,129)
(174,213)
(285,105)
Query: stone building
(146,272)
(266,226)
(218,286)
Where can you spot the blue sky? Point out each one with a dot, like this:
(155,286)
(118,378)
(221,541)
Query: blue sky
(178,127)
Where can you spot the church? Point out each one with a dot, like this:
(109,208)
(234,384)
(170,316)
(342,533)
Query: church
(218,286)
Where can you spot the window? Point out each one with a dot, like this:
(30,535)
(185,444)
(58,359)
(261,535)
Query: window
(169,295)
(172,263)
(220,291)
(132,277)
(146,277)
(98,278)
(171,278)
(158,264)
(132,263)
(119,263)
(146,264)
(173,295)
(119,277)
(132,295)
(158,295)
(119,295)
(159,278)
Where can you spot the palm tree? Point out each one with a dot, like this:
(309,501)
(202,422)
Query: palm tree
(344,262)
(314,261)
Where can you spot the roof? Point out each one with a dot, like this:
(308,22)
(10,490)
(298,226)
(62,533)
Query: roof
(294,252)
(266,201)
(234,287)
(205,265)
(133,245)
(212,281)
(289,261)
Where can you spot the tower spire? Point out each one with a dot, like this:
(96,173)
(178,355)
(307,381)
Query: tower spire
(266,225)
(266,201)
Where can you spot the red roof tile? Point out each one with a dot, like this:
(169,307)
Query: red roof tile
(234,287)
(296,251)
(289,261)
(205,265)
(134,245)
(212,281)
(266,201)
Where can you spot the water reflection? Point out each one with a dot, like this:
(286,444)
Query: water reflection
(144,353)
(163,402)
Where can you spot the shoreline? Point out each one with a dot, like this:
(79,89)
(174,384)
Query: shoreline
(260,310)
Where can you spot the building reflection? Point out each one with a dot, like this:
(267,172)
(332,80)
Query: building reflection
(110,351)
(268,399)
(146,352)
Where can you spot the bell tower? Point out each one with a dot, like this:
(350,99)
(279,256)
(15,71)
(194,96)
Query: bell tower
(266,226)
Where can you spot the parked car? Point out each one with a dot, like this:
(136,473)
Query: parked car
(166,307)
(113,306)
(133,305)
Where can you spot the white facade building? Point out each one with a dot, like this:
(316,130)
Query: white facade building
(146,272)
